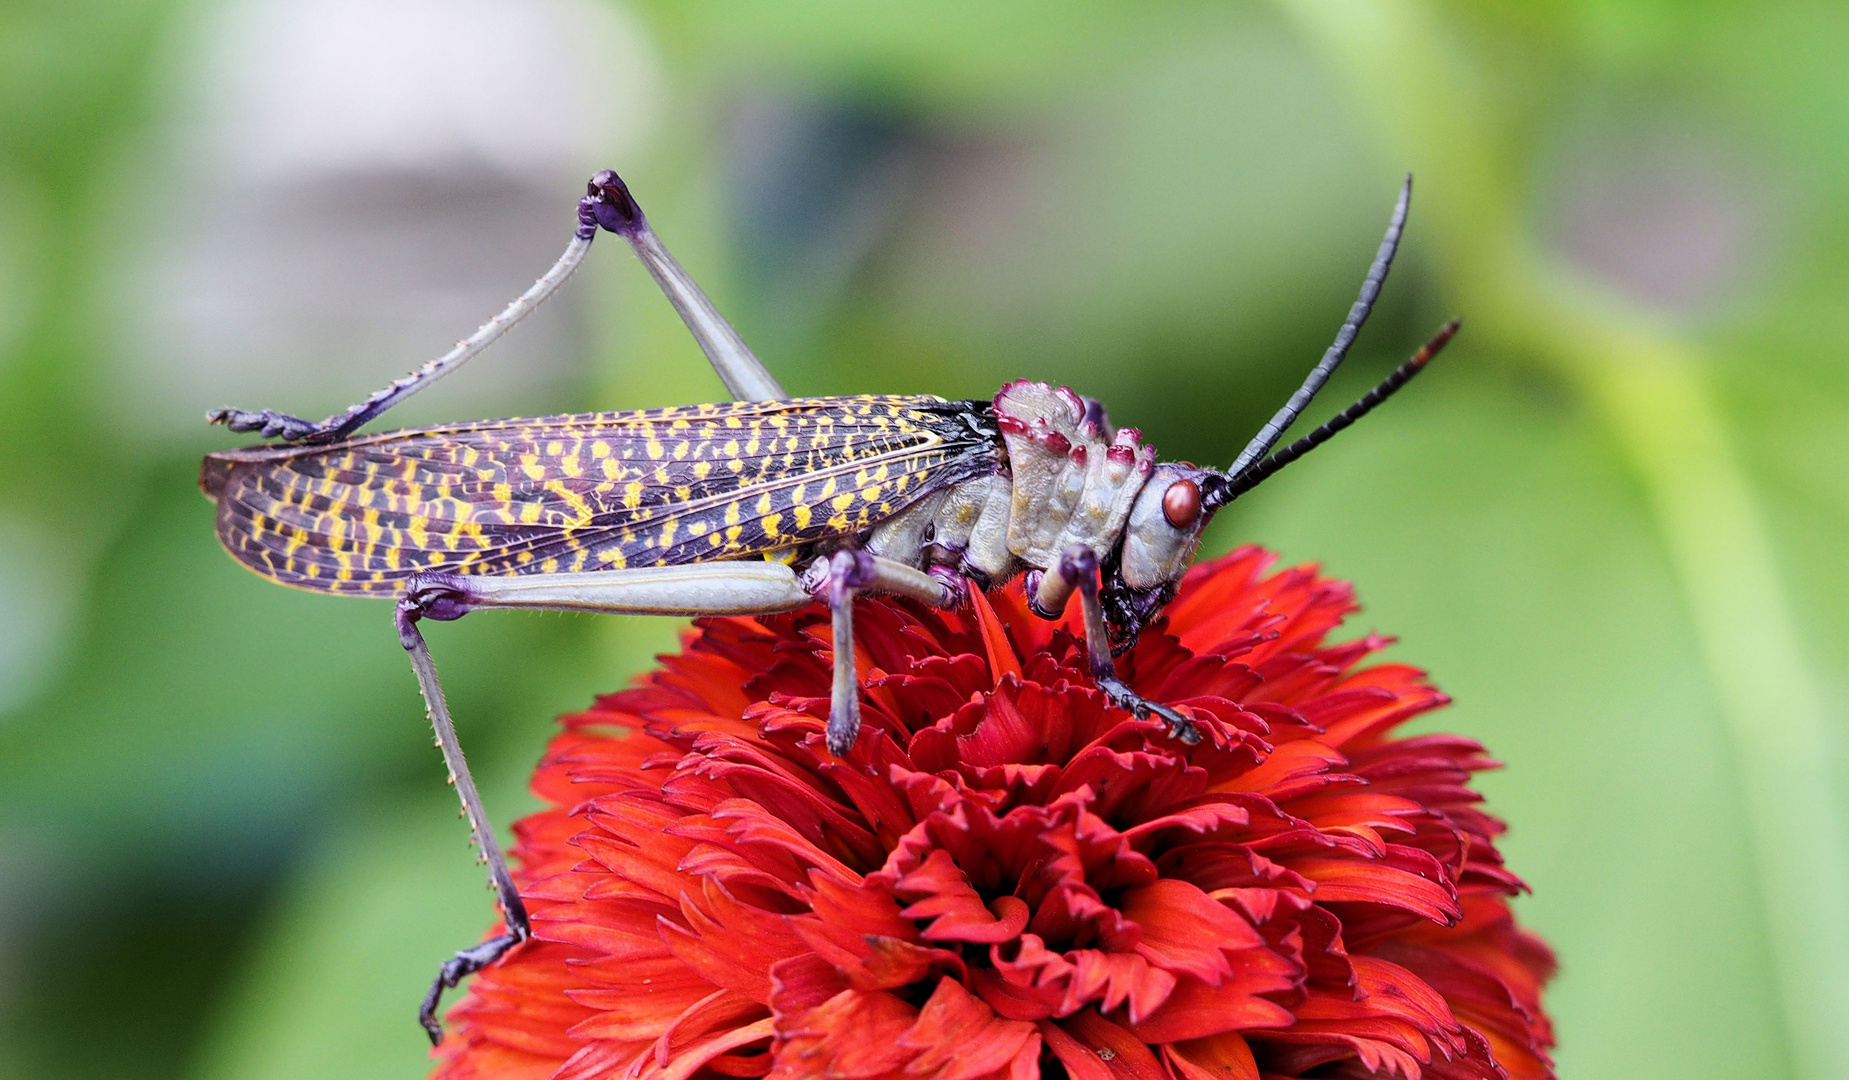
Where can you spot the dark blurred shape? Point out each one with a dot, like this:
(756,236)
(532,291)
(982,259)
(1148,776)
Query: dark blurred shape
(168,953)
(817,184)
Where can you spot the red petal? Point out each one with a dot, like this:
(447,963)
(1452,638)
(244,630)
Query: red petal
(653,998)
(852,1035)
(1093,1048)
(1226,1056)
(730,944)
(690,1060)
(1002,658)
(601,1060)
(1113,980)
(957,1037)
(1185,931)
(944,895)
(1196,1010)
(1405,878)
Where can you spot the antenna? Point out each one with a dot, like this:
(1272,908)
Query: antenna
(1257,474)
(1273,430)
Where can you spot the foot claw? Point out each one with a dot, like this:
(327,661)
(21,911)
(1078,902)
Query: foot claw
(1180,727)
(268,423)
(457,968)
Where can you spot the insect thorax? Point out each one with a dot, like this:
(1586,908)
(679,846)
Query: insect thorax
(1069,480)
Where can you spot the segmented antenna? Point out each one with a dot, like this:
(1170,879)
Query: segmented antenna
(1274,429)
(1260,472)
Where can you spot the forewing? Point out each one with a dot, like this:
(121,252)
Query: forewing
(588,492)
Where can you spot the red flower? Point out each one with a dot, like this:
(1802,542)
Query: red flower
(1006,878)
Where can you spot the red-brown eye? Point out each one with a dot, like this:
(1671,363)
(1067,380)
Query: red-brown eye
(1181,504)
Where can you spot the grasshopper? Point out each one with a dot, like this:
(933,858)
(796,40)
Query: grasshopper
(759,505)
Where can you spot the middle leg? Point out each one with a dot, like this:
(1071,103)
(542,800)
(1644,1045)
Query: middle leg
(836,580)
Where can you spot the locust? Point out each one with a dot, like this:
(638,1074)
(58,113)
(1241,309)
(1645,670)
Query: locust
(762,504)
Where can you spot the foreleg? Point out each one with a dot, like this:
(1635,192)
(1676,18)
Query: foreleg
(1078,572)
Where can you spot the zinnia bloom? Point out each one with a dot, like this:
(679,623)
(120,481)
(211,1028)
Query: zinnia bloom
(1006,878)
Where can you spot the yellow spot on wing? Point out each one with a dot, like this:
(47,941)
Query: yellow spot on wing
(581,511)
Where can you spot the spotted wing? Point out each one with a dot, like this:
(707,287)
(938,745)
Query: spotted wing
(592,491)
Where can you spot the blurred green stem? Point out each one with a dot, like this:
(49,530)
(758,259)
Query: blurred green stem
(1649,390)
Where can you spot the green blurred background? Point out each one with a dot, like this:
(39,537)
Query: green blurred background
(1610,521)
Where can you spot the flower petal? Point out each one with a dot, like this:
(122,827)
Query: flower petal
(957,1037)
(1005,872)
(1196,1010)
(1093,1048)
(1187,932)
(1226,1056)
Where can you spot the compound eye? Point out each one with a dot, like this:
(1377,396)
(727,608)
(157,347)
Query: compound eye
(1181,504)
